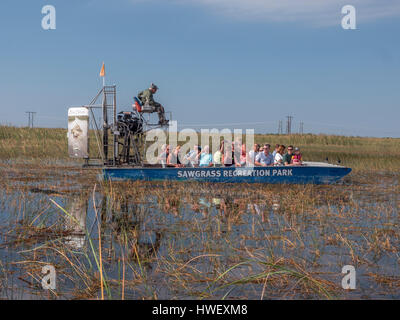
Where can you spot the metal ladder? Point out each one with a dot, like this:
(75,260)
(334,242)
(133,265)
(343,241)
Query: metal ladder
(109,122)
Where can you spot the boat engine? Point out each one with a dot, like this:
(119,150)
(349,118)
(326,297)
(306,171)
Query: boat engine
(129,123)
(130,127)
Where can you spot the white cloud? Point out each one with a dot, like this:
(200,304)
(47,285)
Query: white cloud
(317,12)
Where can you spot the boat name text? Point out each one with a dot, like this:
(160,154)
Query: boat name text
(234,173)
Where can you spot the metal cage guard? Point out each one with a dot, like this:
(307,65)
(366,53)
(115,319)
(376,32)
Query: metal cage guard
(121,137)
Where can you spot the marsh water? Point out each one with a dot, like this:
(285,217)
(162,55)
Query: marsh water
(137,240)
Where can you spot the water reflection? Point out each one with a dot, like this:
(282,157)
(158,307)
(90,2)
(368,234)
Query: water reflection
(76,222)
(259,209)
(137,228)
(171,241)
(202,206)
(226,206)
(122,226)
(275,204)
(139,240)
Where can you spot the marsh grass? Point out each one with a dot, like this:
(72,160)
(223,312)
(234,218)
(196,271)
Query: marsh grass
(38,143)
(361,154)
(174,240)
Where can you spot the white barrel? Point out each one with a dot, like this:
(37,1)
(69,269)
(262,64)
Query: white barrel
(78,132)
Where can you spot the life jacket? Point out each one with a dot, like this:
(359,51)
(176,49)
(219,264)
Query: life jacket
(137,104)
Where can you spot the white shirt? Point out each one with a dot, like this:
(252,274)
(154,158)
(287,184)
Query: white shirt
(191,157)
(278,158)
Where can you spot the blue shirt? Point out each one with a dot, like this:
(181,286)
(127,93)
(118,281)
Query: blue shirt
(265,159)
(205,159)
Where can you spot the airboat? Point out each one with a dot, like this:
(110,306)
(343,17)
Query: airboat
(121,144)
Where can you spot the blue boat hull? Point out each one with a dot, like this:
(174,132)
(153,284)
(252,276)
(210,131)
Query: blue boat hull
(289,175)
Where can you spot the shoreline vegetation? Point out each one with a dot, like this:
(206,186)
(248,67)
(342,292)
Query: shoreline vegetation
(362,154)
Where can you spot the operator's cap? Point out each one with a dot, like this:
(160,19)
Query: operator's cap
(153,86)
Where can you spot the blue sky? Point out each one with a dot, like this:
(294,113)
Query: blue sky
(235,64)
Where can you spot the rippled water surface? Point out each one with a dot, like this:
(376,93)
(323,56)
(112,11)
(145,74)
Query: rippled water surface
(195,240)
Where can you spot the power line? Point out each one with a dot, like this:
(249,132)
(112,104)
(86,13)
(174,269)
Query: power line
(289,124)
(301,129)
(31,114)
(224,124)
(280,129)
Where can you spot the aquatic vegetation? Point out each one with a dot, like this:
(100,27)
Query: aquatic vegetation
(174,240)
(138,240)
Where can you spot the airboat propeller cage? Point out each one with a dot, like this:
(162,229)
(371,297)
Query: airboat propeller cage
(78,132)
(120,139)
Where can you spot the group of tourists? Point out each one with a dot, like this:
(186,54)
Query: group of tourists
(228,154)
(231,154)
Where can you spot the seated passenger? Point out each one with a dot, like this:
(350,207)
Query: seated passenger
(229,157)
(278,161)
(264,158)
(243,156)
(238,145)
(173,159)
(275,151)
(252,154)
(217,159)
(206,158)
(237,149)
(163,157)
(192,158)
(296,158)
(287,158)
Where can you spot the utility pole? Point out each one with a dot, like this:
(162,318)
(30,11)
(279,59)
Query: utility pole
(289,125)
(301,130)
(280,127)
(31,114)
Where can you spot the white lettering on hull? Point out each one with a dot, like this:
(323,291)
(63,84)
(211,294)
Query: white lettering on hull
(234,173)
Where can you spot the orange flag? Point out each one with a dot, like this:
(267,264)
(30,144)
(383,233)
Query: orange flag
(102,71)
